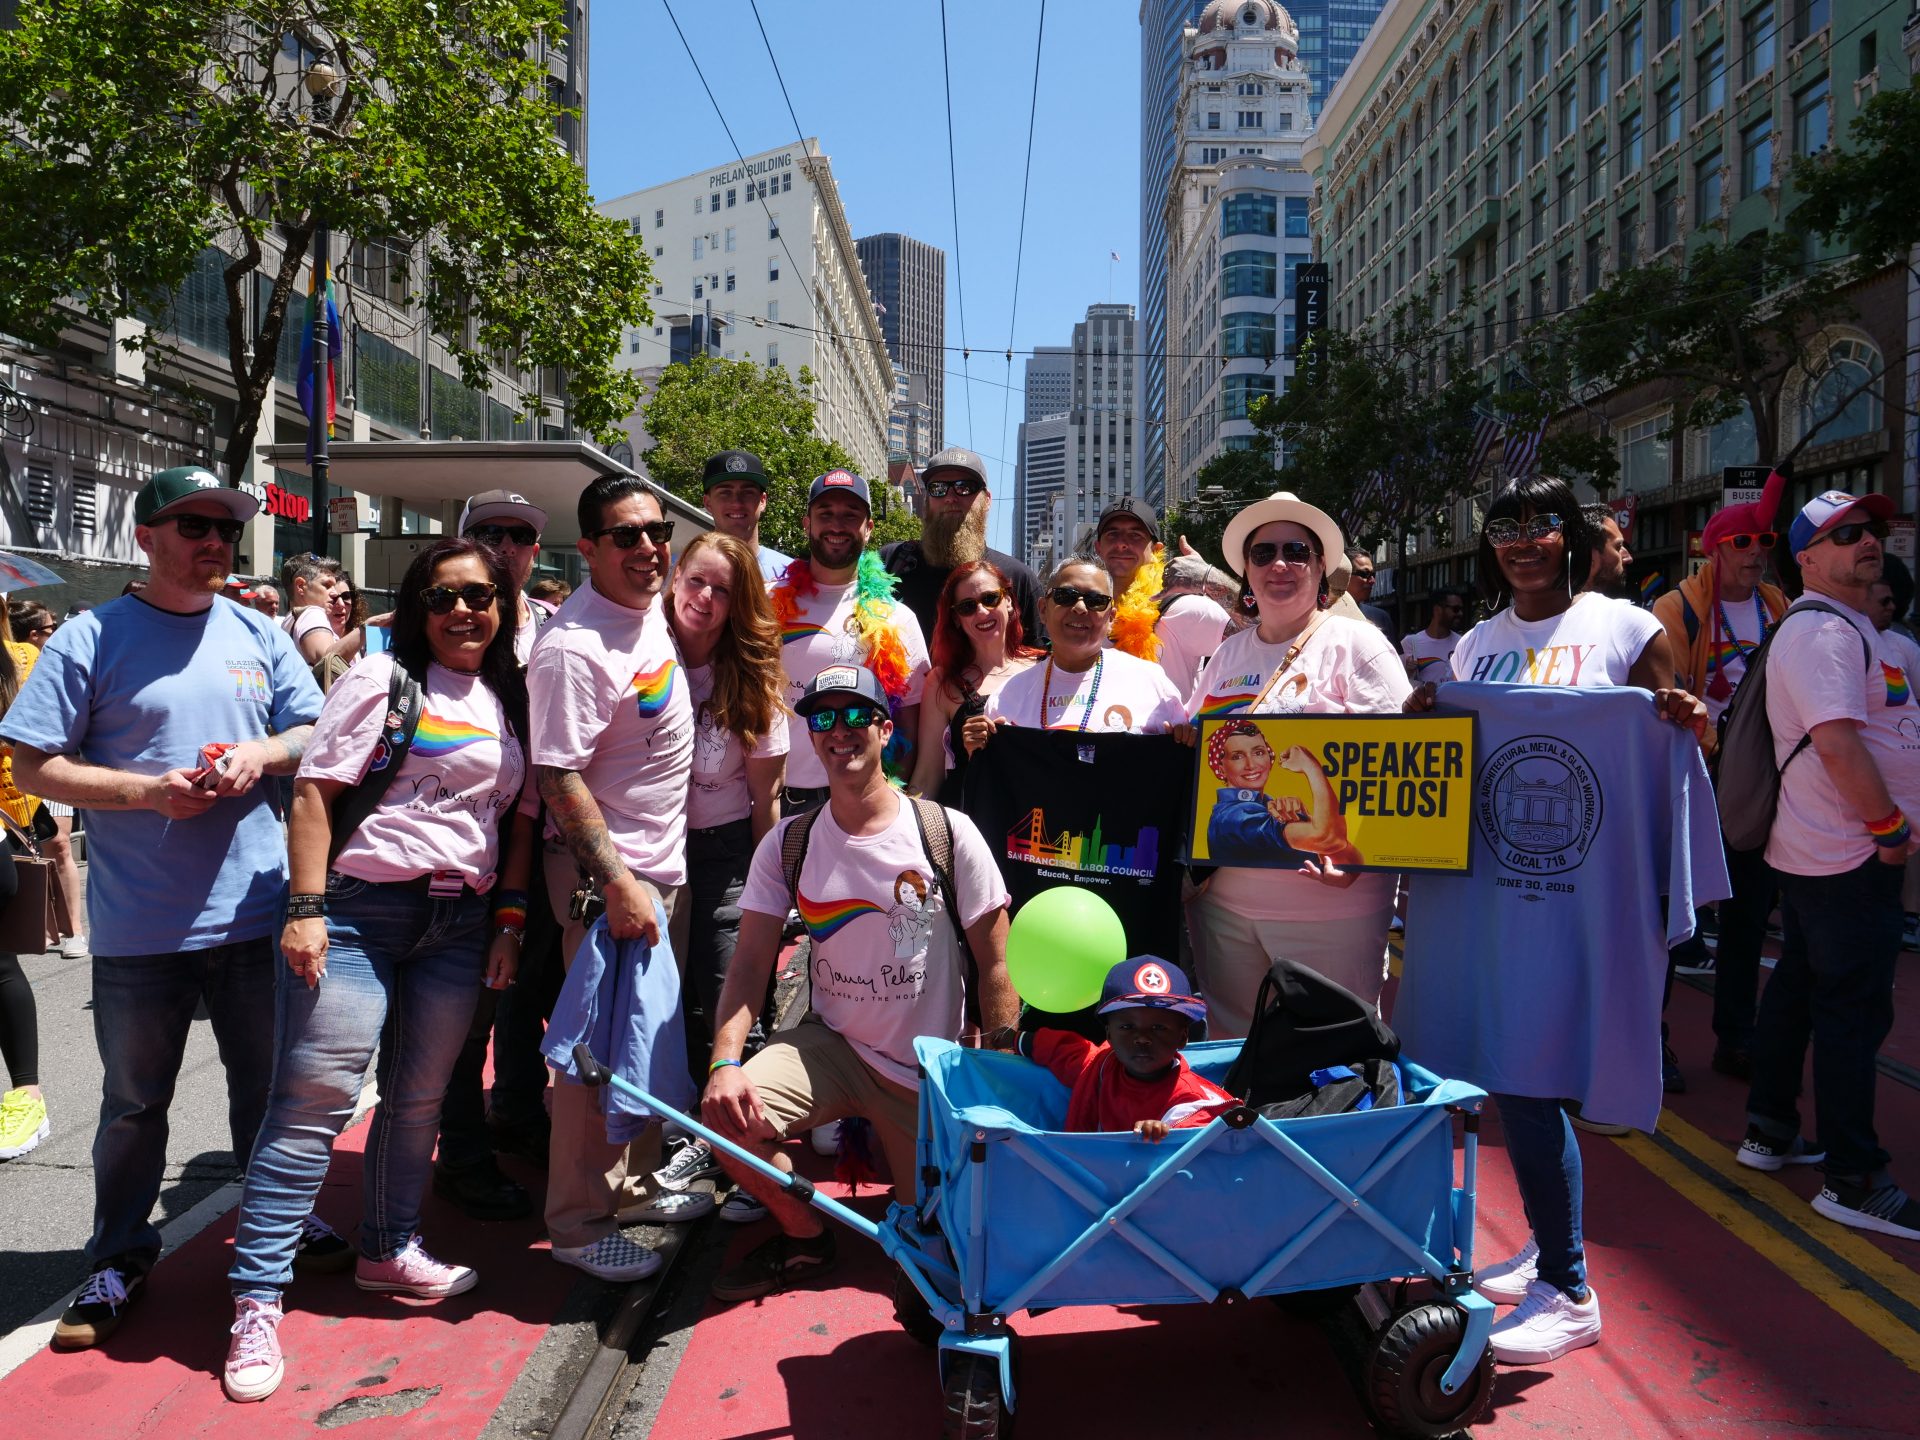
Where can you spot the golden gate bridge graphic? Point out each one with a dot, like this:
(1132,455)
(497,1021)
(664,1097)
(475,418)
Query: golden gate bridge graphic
(1028,840)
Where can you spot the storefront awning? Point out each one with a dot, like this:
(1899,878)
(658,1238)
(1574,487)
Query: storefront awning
(427,473)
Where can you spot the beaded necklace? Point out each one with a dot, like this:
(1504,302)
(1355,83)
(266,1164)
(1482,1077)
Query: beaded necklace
(1046,690)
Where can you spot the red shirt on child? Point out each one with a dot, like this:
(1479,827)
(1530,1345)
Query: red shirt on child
(1106,1097)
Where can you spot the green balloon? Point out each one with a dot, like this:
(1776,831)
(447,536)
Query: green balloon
(1060,947)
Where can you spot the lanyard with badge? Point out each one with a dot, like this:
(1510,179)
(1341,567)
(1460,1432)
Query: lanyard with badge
(1719,687)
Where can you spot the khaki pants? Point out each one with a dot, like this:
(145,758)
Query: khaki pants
(810,1075)
(587,1176)
(1232,954)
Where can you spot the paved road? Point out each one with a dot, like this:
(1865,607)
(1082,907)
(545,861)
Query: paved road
(46,1197)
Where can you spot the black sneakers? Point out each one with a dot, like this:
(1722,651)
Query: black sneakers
(1881,1206)
(1761,1151)
(96,1312)
(776,1264)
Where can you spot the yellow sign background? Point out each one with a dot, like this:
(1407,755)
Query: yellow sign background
(1402,786)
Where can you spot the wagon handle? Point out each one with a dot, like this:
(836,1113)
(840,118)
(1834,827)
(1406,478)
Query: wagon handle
(590,1070)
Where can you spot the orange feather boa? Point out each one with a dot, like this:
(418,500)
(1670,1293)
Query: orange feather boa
(873,607)
(1138,611)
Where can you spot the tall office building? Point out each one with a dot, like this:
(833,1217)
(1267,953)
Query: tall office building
(1049,392)
(1330,36)
(1044,450)
(1163,24)
(908,279)
(1100,461)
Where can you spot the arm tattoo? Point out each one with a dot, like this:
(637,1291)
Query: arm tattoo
(285,749)
(579,819)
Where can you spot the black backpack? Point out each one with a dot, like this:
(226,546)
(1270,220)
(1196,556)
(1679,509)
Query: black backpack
(353,805)
(1302,1023)
(1747,777)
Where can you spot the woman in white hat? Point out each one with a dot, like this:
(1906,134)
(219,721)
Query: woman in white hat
(1301,657)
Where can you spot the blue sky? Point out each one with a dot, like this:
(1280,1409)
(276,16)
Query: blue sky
(867,80)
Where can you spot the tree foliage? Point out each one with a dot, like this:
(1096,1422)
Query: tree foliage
(1864,195)
(1226,485)
(708,405)
(143,132)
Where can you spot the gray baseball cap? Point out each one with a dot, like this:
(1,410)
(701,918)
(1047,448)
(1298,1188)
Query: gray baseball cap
(955,457)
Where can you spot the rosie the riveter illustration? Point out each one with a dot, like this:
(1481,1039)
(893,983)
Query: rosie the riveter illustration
(1249,826)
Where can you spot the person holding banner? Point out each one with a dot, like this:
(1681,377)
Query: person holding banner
(979,644)
(1082,686)
(1300,658)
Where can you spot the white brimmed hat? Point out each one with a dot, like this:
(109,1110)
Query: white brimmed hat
(1282,505)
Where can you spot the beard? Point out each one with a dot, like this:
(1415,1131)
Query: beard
(950,541)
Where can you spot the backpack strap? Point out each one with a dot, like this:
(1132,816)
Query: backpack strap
(793,853)
(936,838)
(353,805)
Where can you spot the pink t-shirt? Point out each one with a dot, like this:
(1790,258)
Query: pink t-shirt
(1817,672)
(886,966)
(460,779)
(719,792)
(819,637)
(304,621)
(609,701)
(1119,692)
(1347,667)
(1189,635)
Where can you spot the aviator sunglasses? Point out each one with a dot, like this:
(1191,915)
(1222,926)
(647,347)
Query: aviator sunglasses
(1503,534)
(858,717)
(495,535)
(195,527)
(940,489)
(987,599)
(1294,552)
(625,537)
(1067,596)
(439,598)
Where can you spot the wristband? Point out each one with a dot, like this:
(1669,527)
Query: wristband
(517,933)
(510,910)
(1897,840)
(721,1065)
(1891,831)
(306,907)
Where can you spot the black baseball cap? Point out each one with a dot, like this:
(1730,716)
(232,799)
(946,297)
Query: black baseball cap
(733,465)
(1130,509)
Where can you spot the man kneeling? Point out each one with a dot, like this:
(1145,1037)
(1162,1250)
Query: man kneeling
(885,966)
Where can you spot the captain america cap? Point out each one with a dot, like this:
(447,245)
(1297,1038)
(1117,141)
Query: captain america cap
(1150,982)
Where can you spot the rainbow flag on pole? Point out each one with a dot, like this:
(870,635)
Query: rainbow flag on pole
(304,386)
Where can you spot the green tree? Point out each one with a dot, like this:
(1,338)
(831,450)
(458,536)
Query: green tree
(142,133)
(1864,195)
(1226,484)
(708,405)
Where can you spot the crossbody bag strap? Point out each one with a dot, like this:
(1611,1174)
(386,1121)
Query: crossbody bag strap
(22,833)
(405,701)
(1286,661)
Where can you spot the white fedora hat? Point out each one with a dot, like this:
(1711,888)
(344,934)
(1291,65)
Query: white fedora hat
(1282,505)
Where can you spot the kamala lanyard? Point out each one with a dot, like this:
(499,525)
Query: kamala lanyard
(1046,688)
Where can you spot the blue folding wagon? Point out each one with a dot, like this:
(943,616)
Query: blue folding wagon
(1017,1214)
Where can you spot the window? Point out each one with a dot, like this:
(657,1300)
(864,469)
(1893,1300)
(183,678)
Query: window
(1516,80)
(1248,215)
(1249,120)
(1666,215)
(1563,283)
(773,227)
(1453,150)
(1490,172)
(1756,156)
(699,290)
(1757,32)
(773,312)
(1869,53)
(1707,180)
(1473,128)
(1711,84)
(730,198)
(729,280)
(1541,51)
(1666,115)
(1247,272)
(1248,335)
(1563,201)
(1626,246)
(1513,318)
(1297,215)
(1809,16)
(1569,23)
(1569,109)
(1239,391)
(1590,280)
(773,269)
(1599,86)
(1633,46)
(1537,219)
(1842,400)
(730,239)
(1542,141)
(1668,18)
(1596,170)
(1731,442)
(1516,158)
(1595,9)
(659,252)
(659,219)
(1811,118)
(1632,143)
(1453,86)
(1487,321)
(699,247)
(1644,455)
(1537,297)
(1213,119)
(773,353)
(1292,264)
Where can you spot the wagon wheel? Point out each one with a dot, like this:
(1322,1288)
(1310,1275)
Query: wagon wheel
(1404,1370)
(975,1408)
(910,1309)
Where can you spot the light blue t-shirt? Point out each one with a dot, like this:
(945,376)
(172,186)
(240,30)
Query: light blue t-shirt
(773,564)
(136,688)
(1540,973)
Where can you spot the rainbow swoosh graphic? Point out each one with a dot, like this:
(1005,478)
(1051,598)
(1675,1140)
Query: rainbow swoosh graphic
(1214,706)
(825,918)
(436,737)
(653,687)
(800,630)
(1898,691)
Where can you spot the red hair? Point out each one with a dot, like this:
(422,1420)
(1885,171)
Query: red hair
(952,647)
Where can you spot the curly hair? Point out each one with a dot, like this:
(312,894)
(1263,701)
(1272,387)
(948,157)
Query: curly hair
(747,678)
(500,668)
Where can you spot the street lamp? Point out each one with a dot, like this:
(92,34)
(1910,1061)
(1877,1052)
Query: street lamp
(322,82)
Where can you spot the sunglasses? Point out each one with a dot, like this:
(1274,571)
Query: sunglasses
(940,489)
(195,527)
(1294,552)
(439,598)
(1764,539)
(1850,533)
(1503,534)
(1067,596)
(625,537)
(858,717)
(986,599)
(496,535)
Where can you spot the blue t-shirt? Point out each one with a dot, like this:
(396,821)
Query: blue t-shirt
(1540,973)
(1242,831)
(131,687)
(772,563)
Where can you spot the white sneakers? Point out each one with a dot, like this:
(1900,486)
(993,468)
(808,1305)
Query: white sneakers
(1507,1282)
(1545,1325)
(74,947)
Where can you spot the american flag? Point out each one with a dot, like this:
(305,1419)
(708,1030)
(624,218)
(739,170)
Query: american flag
(1113,254)
(1486,430)
(1523,451)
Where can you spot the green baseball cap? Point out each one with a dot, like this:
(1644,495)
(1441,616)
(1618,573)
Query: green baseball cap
(171,488)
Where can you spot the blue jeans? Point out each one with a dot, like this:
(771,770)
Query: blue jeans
(1546,1166)
(142,1011)
(1833,986)
(403,969)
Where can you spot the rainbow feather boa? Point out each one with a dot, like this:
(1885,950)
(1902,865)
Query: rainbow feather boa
(1138,611)
(873,625)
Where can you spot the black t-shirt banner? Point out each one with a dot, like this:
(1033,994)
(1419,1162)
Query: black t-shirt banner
(1106,812)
